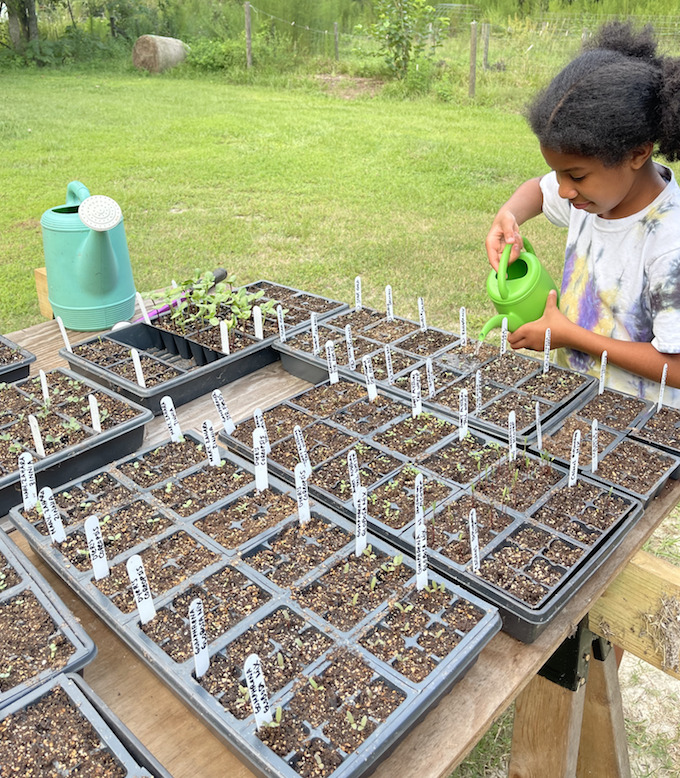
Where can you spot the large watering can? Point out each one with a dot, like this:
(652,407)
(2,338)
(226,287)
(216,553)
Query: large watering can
(89,278)
(520,296)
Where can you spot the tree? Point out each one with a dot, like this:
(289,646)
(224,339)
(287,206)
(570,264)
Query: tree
(22,22)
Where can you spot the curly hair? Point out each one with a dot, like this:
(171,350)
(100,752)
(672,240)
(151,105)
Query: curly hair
(616,96)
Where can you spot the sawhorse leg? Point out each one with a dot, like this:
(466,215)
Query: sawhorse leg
(569,720)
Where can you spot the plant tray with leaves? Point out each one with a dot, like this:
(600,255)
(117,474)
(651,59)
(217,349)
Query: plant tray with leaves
(15,362)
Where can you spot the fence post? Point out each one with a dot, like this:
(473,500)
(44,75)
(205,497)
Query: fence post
(473,58)
(249,48)
(337,41)
(486,33)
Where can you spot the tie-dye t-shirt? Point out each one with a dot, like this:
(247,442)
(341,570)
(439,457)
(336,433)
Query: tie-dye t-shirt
(622,279)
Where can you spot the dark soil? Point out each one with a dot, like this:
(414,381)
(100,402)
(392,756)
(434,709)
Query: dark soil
(358,320)
(279,422)
(387,331)
(325,399)
(166,461)
(412,437)
(524,406)
(469,358)
(635,467)
(614,409)
(366,416)
(519,484)
(428,343)
(663,428)
(556,385)
(558,444)
(510,369)
(467,460)
(203,487)
(9,355)
(322,441)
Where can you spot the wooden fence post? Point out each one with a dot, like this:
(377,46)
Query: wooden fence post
(486,33)
(337,41)
(473,58)
(249,47)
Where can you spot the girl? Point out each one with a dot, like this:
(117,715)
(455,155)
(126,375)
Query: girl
(598,123)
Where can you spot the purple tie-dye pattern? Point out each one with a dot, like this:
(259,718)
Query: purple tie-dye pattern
(569,261)
(589,308)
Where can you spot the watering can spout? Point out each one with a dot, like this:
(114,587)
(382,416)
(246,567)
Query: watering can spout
(96,265)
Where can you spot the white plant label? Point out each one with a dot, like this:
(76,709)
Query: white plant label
(462,414)
(416,398)
(302,449)
(512,436)
(419,496)
(64,336)
(594,443)
(210,443)
(504,335)
(546,352)
(142,308)
(257,322)
(137,364)
(258,418)
(260,459)
(420,535)
(662,386)
(351,361)
(361,523)
(257,688)
(282,324)
(45,388)
(199,637)
(357,293)
(603,371)
(314,324)
(388,364)
(474,539)
(36,434)
(462,319)
(29,489)
(573,461)
(389,303)
(224,337)
(332,362)
(51,515)
(539,428)
(95,417)
(302,493)
(353,472)
(478,391)
(95,545)
(170,416)
(141,589)
(367,366)
(223,411)
(421,314)
(429,376)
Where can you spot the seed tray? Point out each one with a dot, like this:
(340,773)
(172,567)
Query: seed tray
(108,736)
(73,460)
(300,304)
(167,372)
(614,409)
(431,342)
(15,362)
(660,429)
(20,578)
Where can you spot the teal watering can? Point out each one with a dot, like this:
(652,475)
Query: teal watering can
(89,277)
(521,296)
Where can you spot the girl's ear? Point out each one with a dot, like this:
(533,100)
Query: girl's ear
(640,155)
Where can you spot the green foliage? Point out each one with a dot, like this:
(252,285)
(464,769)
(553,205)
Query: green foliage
(210,56)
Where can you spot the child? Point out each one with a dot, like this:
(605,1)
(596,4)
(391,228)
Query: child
(597,124)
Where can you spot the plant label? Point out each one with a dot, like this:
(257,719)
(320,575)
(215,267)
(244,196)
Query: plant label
(257,688)
(367,365)
(36,434)
(64,336)
(314,324)
(429,377)
(361,499)
(351,361)
(421,314)
(462,318)
(29,489)
(199,637)
(662,387)
(44,387)
(462,414)
(420,535)
(332,362)
(210,443)
(142,308)
(224,337)
(504,335)
(141,589)
(416,399)
(539,428)
(388,364)
(225,416)
(51,515)
(357,293)
(95,545)
(474,539)
(137,364)
(512,436)
(389,304)
(546,352)
(594,450)
(282,325)
(353,472)
(603,371)
(478,391)
(302,493)
(302,449)
(573,461)
(257,322)
(260,459)
(170,416)
(419,495)
(95,417)
(258,418)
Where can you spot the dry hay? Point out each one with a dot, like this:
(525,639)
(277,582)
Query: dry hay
(663,628)
(156,53)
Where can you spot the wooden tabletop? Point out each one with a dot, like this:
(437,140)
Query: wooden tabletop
(182,742)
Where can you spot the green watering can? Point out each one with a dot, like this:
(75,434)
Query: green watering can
(521,296)
(89,278)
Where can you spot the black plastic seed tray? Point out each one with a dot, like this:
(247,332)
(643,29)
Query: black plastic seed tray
(105,744)
(70,408)
(660,429)
(37,615)
(15,362)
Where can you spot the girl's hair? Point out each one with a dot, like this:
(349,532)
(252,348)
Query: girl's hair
(617,95)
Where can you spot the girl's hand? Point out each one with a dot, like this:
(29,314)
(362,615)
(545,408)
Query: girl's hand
(504,230)
(532,335)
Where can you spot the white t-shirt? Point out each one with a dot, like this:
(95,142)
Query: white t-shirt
(621,279)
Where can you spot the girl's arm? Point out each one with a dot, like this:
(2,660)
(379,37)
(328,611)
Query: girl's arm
(525,203)
(639,358)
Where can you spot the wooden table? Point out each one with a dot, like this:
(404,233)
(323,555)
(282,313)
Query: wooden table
(506,667)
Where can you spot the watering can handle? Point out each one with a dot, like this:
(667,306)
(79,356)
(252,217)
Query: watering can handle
(76,192)
(503,266)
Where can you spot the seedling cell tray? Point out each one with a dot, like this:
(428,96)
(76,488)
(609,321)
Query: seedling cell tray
(15,362)
(660,429)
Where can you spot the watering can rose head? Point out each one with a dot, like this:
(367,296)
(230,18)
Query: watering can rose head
(519,291)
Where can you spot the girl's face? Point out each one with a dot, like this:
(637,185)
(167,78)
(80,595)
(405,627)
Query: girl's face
(609,192)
